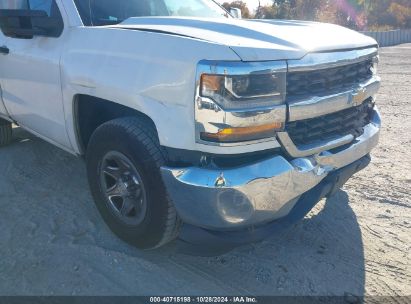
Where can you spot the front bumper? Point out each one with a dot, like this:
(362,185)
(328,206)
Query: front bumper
(253,195)
(198,241)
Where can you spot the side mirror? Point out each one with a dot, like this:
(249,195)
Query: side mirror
(29,23)
(235,12)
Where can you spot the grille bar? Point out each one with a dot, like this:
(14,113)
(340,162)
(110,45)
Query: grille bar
(338,124)
(322,82)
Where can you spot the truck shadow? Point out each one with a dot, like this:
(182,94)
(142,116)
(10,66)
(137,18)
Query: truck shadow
(321,255)
(62,231)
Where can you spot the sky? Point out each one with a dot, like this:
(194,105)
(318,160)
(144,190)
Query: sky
(252,4)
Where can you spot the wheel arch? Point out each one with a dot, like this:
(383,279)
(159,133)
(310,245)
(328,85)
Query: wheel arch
(90,112)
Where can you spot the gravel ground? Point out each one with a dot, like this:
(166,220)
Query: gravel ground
(355,243)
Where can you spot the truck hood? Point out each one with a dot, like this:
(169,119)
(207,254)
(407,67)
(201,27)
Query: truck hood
(257,40)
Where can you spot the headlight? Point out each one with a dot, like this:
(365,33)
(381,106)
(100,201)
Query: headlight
(245,86)
(240,102)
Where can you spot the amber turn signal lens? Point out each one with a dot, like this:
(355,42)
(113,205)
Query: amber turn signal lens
(231,135)
(211,82)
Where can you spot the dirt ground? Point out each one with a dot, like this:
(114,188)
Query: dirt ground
(53,241)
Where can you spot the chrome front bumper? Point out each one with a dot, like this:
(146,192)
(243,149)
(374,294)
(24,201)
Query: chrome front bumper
(230,199)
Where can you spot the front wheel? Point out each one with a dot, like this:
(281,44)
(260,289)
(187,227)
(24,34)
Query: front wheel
(124,159)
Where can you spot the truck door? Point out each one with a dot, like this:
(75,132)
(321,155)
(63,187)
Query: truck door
(30,77)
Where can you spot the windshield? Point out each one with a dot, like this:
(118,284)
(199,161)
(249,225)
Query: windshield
(105,12)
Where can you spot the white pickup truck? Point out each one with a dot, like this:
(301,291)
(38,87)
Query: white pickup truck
(194,124)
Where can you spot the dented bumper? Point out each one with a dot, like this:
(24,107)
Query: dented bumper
(252,195)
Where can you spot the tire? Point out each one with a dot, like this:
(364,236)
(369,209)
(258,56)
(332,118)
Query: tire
(135,140)
(5,132)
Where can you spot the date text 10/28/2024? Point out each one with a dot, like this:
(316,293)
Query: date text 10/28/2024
(203,300)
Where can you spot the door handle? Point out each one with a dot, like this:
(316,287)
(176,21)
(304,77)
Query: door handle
(4,50)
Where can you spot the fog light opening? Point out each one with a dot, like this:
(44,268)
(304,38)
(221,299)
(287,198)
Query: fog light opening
(234,207)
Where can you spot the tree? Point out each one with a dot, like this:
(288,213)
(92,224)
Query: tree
(346,13)
(386,14)
(402,14)
(238,4)
(293,9)
(356,14)
(267,12)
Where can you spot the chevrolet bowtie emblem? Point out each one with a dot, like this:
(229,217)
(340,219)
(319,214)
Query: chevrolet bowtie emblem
(359,96)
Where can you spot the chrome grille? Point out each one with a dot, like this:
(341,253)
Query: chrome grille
(325,81)
(338,124)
